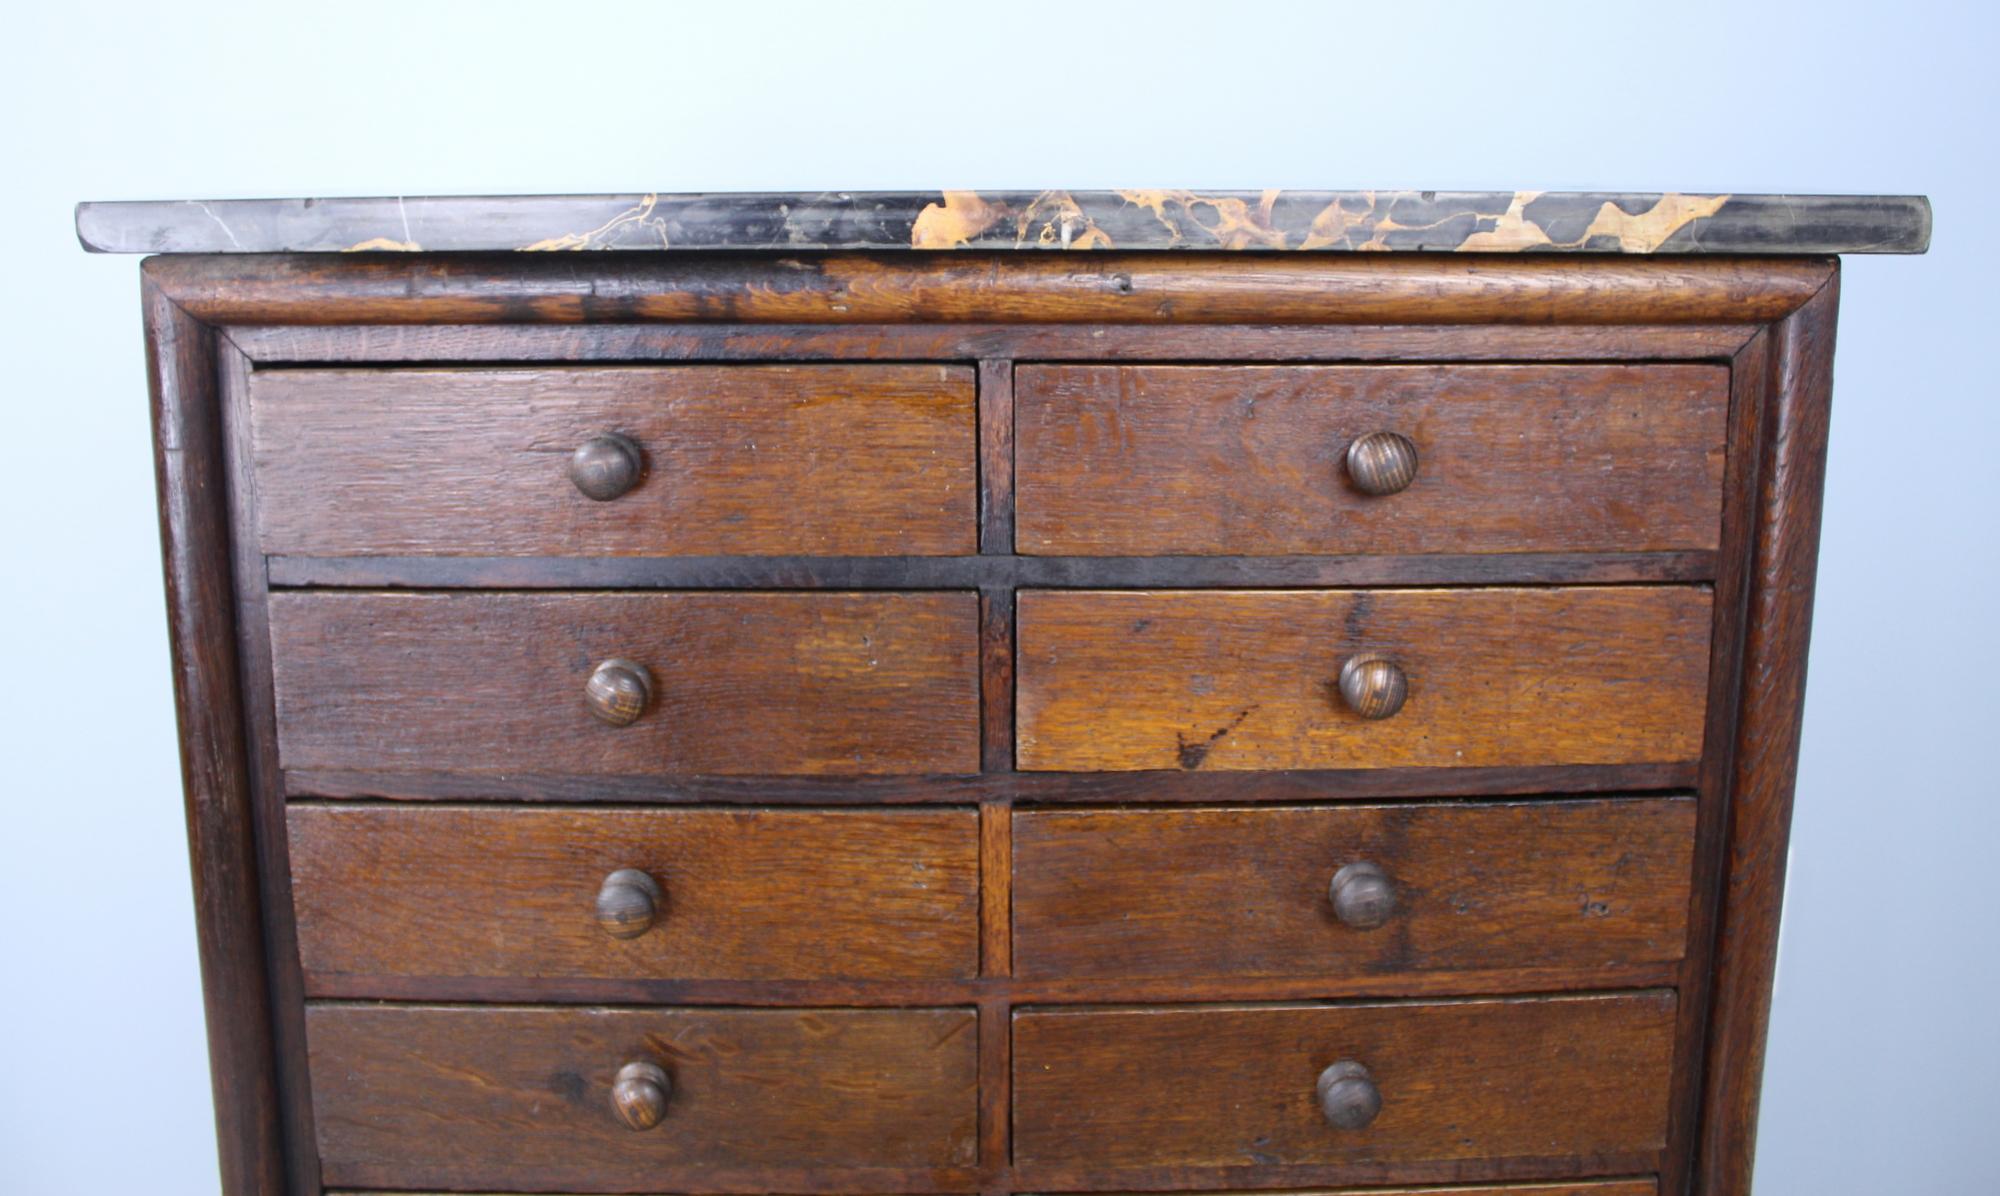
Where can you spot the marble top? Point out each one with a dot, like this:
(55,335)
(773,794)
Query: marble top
(1246,221)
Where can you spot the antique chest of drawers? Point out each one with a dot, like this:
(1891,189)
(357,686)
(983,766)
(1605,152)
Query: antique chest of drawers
(823,696)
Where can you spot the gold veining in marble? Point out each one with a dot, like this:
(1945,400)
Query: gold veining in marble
(640,214)
(383,245)
(1236,224)
(962,216)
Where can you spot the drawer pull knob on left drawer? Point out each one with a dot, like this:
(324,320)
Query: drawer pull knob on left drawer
(607,466)
(640,1093)
(1373,686)
(1362,896)
(629,903)
(1382,463)
(619,691)
(1348,1097)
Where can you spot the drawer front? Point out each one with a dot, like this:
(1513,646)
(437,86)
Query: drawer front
(757,460)
(1252,679)
(1368,890)
(1461,1082)
(1252,460)
(722,894)
(759,1100)
(740,683)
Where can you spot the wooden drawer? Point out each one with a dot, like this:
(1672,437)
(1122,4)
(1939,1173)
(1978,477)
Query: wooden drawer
(1111,680)
(742,683)
(1570,885)
(758,460)
(1251,460)
(741,894)
(790,1100)
(1469,1083)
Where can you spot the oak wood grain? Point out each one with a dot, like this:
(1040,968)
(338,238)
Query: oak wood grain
(1156,787)
(253,638)
(803,1100)
(757,460)
(1783,561)
(218,787)
(748,894)
(1127,288)
(746,683)
(1244,892)
(397,343)
(989,572)
(1250,460)
(1481,1081)
(1235,680)
(1003,990)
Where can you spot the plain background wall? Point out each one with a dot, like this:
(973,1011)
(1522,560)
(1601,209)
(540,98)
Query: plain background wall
(1884,1072)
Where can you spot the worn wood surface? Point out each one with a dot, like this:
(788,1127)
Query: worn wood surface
(804,1100)
(1244,891)
(814,460)
(1135,288)
(253,639)
(1250,460)
(1100,310)
(1784,556)
(1192,1087)
(995,572)
(1029,341)
(1749,373)
(191,475)
(1234,680)
(749,894)
(746,683)
(1159,787)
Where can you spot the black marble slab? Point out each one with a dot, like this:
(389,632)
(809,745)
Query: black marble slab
(1249,221)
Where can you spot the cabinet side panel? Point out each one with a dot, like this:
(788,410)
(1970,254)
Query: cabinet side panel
(1784,558)
(194,539)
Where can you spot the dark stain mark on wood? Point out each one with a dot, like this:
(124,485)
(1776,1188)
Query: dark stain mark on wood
(1192,752)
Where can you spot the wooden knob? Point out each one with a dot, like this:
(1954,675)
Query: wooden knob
(606,466)
(640,1093)
(1382,463)
(619,691)
(1372,685)
(1348,1097)
(628,903)
(1362,896)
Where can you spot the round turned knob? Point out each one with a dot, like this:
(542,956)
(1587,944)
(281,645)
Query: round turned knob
(1348,1097)
(606,466)
(639,1095)
(1362,896)
(628,902)
(1382,463)
(1372,685)
(619,691)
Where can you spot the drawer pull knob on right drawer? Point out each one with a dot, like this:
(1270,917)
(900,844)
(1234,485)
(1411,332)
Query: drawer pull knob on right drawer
(1363,898)
(1382,463)
(628,903)
(619,691)
(640,1093)
(1348,1097)
(606,466)
(1372,685)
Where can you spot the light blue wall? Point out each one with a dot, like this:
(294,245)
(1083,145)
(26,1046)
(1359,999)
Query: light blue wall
(1884,1072)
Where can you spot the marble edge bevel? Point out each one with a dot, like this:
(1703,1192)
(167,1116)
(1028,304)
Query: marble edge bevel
(1215,221)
